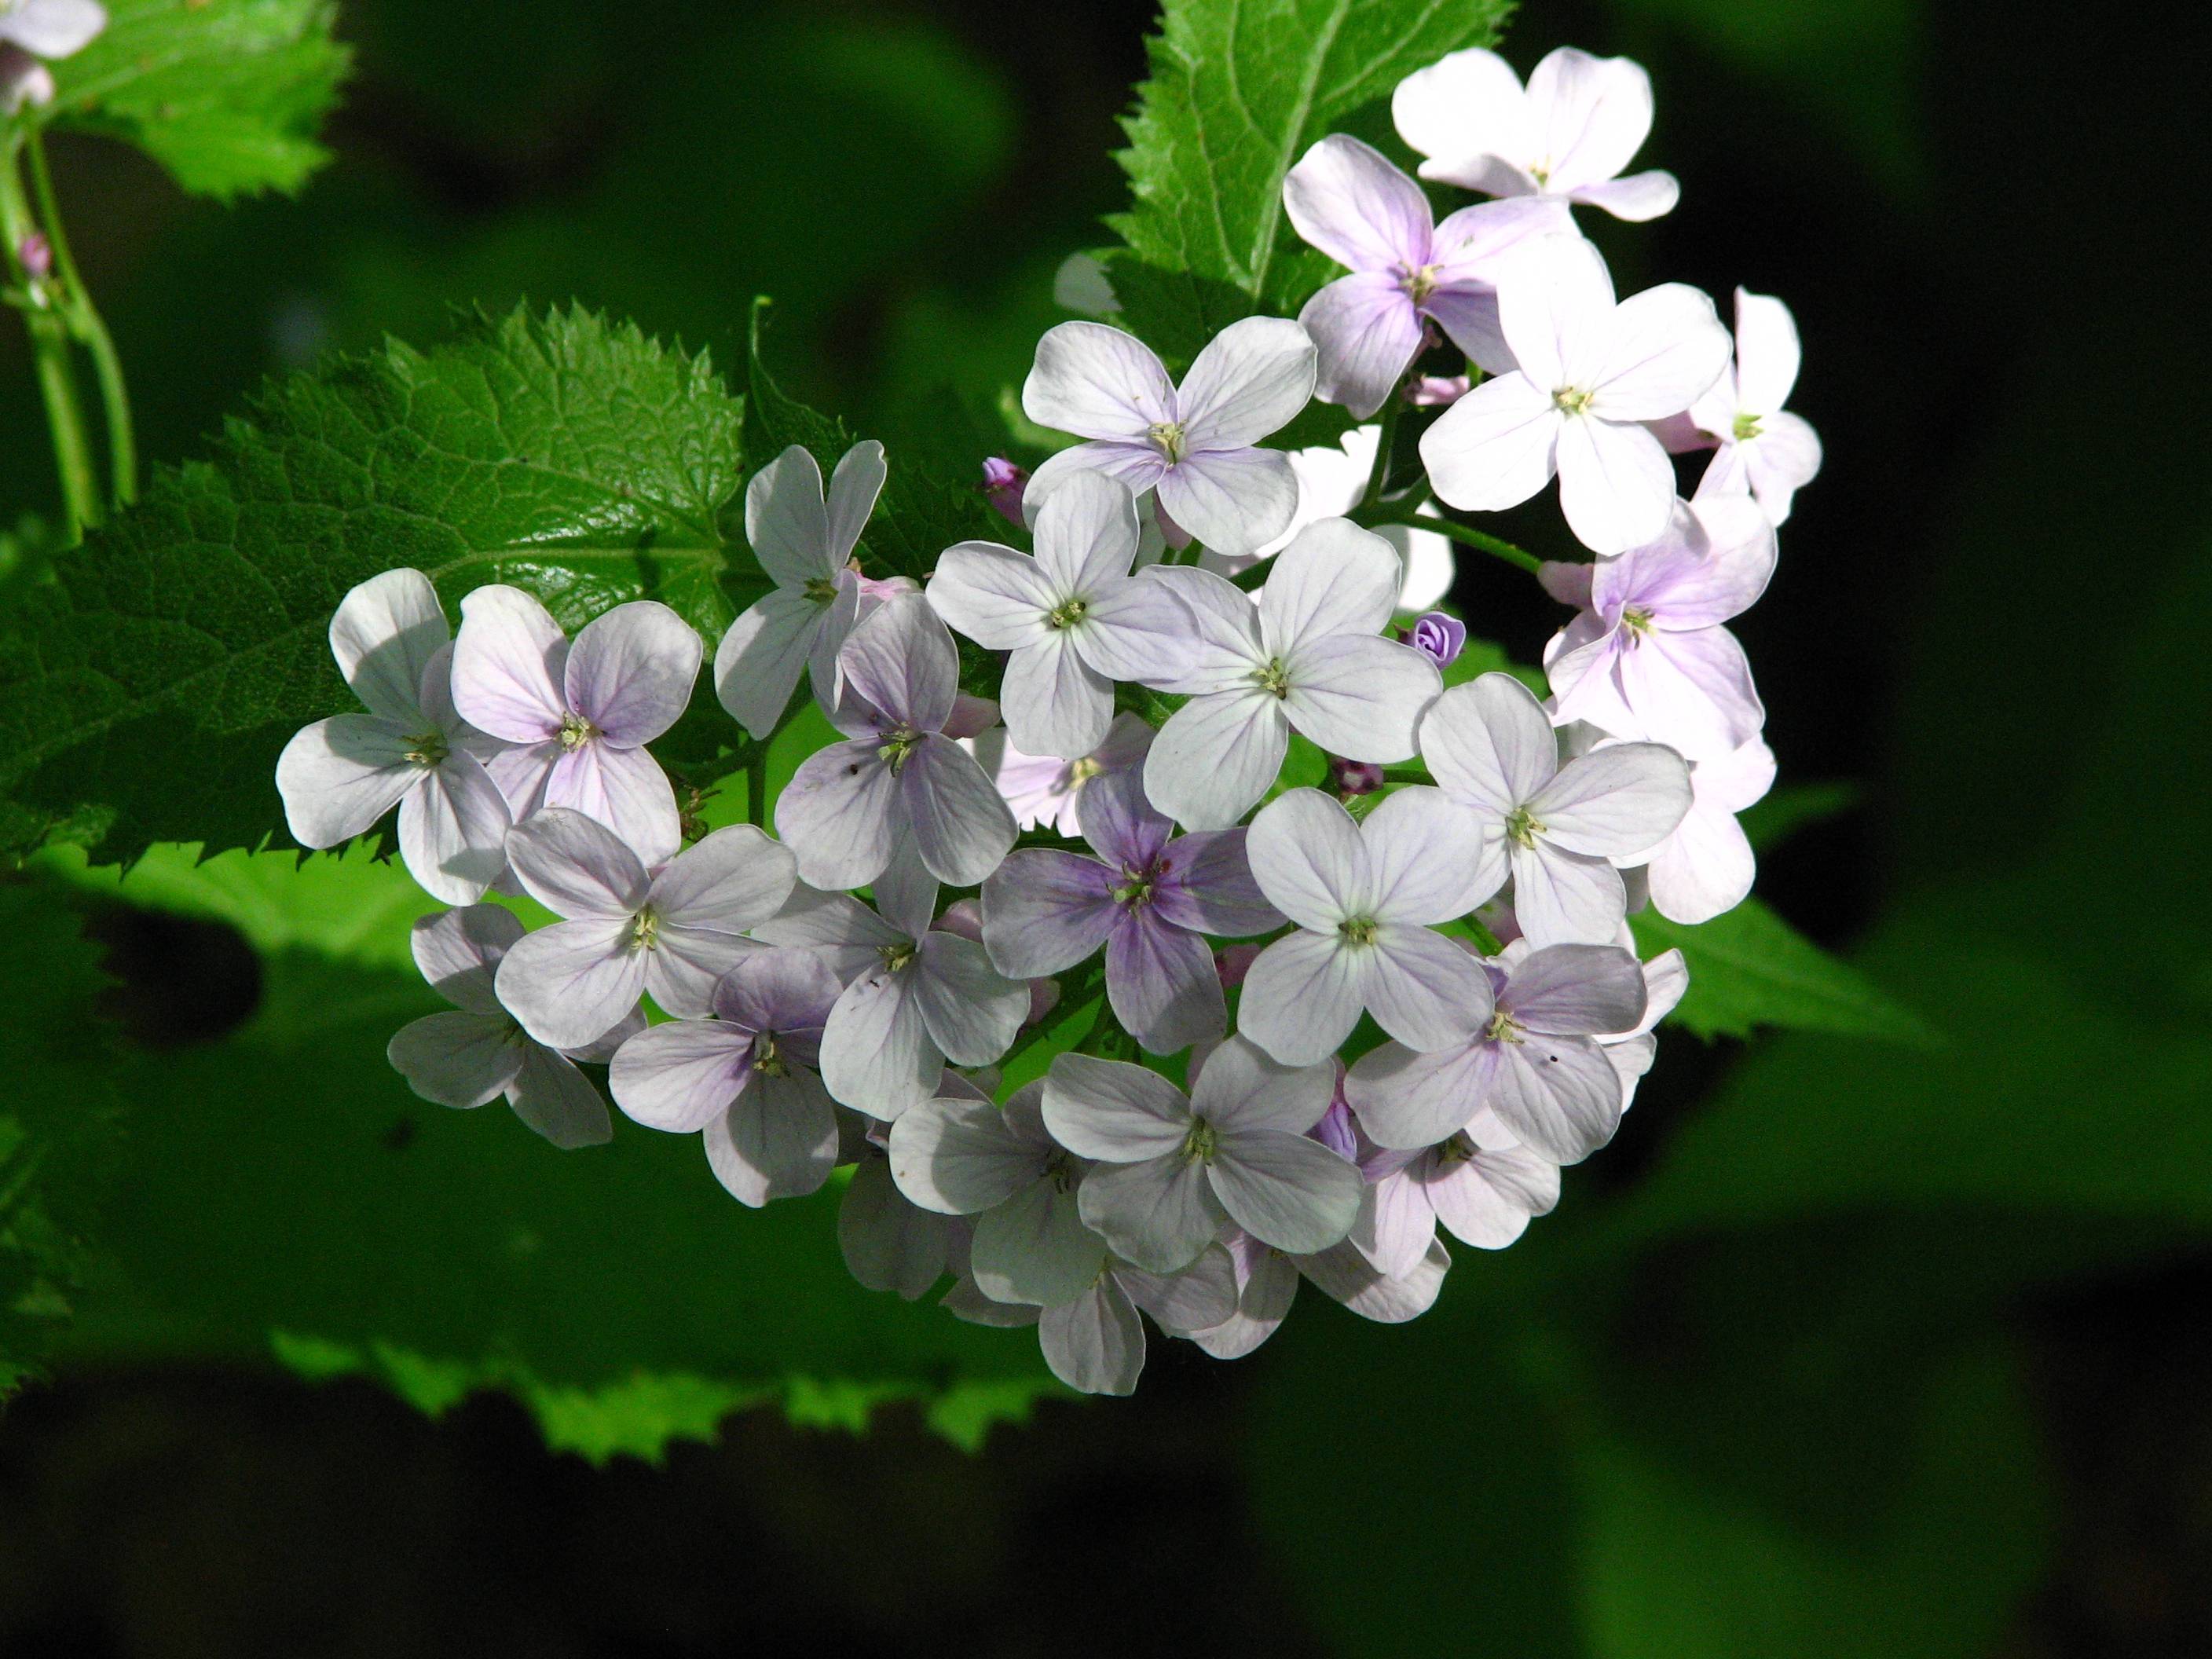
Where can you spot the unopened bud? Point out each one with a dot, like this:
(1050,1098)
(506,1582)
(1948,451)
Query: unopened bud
(1233,962)
(1431,391)
(1439,637)
(1004,483)
(1350,777)
(1334,1130)
(36,254)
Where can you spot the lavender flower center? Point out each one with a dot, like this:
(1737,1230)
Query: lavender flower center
(1503,1028)
(645,931)
(1458,1150)
(428,750)
(1418,284)
(898,958)
(1067,613)
(898,743)
(1746,428)
(1059,1169)
(1524,826)
(1198,1146)
(1275,678)
(1573,400)
(1082,771)
(821,589)
(1636,621)
(1139,888)
(1167,438)
(576,731)
(1358,930)
(767,1060)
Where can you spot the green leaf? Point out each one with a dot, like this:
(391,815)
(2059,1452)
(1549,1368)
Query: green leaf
(145,692)
(226,95)
(57,1120)
(1238,94)
(921,511)
(1748,967)
(1771,822)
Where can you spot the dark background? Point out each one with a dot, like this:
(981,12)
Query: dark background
(1990,614)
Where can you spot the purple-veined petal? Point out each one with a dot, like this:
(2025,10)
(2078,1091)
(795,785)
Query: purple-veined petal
(1216,756)
(685,965)
(1616,484)
(778,1139)
(961,827)
(837,815)
(1055,702)
(1284,1189)
(1704,869)
(1124,828)
(1097,382)
(625,790)
(888,1243)
(1333,578)
(682,1075)
(1638,197)
(786,522)
(877,1055)
(1423,990)
(1693,690)
(1302,996)
(901,660)
(726,882)
(757,666)
(1577,990)
(1466,106)
(788,990)
(1205,885)
(972,1011)
(384,634)
(1489,744)
(1565,898)
(1108,1109)
(1407,1099)
(1416,840)
(569,983)
(1086,533)
(507,664)
(1488,1198)
(338,776)
(1466,311)
(452,830)
(997,597)
(1559,1094)
(1163,984)
(1250,379)
(1045,910)
(1235,500)
(1198,1297)
(1223,648)
(1137,630)
(1035,1248)
(1096,1343)
(1667,346)
(1366,331)
(630,671)
(1240,1088)
(522,773)
(555,1099)
(1308,857)
(958,1157)
(1159,1213)
(456,1059)
(575,867)
(1343,1274)
(1616,800)
(844,933)
(1349,200)
(853,488)
(1396,1225)
(1360,697)
(1137,466)
(1555,307)
(459,951)
(1263,1302)
(1496,446)
(1595,114)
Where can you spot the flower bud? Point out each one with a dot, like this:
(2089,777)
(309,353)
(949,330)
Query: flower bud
(1334,1130)
(1354,777)
(1233,962)
(1003,484)
(1439,637)
(36,255)
(1433,391)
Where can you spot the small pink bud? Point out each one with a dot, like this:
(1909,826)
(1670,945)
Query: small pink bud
(1428,391)
(1354,777)
(1044,997)
(1004,483)
(1233,962)
(37,255)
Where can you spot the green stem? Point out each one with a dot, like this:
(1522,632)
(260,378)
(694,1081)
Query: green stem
(1496,547)
(1379,474)
(90,329)
(50,350)
(1406,775)
(757,787)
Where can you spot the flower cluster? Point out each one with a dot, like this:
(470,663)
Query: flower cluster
(1299,1015)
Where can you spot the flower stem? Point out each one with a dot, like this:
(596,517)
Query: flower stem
(90,331)
(1493,545)
(1379,474)
(50,350)
(757,787)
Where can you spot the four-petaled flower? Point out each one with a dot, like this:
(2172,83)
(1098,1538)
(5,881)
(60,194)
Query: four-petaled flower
(1554,828)
(1706,866)
(1764,448)
(1146,897)
(745,1078)
(338,776)
(578,716)
(627,932)
(1580,120)
(1364,894)
(1192,444)
(1591,373)
(1351,203)
(1308,658)
(1043,790)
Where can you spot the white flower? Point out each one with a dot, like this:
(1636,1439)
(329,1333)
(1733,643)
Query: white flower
(627,932)
(1308,658)
(1579,122)
(1706,866)
(1665,980)
(1591,373)
(340,775)
(478,1052)
(1332,481)
(1363,895)
(50,28)
(1268,1283)
(1764,448)
(1554,828)
(1043,790)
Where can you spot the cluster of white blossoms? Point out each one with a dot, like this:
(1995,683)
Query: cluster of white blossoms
(1317,1023)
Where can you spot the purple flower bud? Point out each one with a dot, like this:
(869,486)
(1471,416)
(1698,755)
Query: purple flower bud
(1441,636)
(1350,777)
(37,255)
(23,80)
(1430,390)
(1233,962)
(1004,483)
(1334,1130)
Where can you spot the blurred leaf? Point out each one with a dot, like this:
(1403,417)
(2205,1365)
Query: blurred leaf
(1748,967)
(1771,822)
(1238,92)
(154,682)
(58,1119)
(226,95)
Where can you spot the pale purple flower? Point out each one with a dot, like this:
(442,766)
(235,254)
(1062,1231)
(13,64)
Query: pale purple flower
(1173,1168)
(899,778)
(1649,657)
(627,932)
(412,748)
(1706,866)
(36,255)
(1233,962)
(1348,200)
(1764,448)
(805,542)
(1443,637)
(1072,618)
(1148,898)
(1554,828)
(962,1156)
(914,998)
(1364,894)
(1268,1283)
(1004,484)
(1331,482)
(1308,658)
(1044,792)
(1480,1183)
(1579,122)
(889,1242)
(1666,979)
(965,918)
(51,28)
(744,1077)
(1591,373)
(1436,391)
(1535,1064)
(578,716)
(1192,445)
(477,1053)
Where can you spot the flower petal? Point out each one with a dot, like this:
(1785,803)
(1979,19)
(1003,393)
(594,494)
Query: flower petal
(778,1139)
(1086,533)
(1704,869)
(1216,756)
(1137,630)
(1045,910)
(1396,1225)
(1559,1094)
(1263,1302)
(1108,1109)
(757,666)
(1423,990)
(1333,578)
(1496,446)
(1416,842)
(1639,197)
(1555,308)
(853,488)
(888,1243)
(1310,859)
(1667,347)
(729,881)
(1349,200)
(1577,990)
(508,664)
(456,1059)
(1407,1099)
(625,790)
(631,669)
(1489,744)
(961,827)
(1620,799)
(1163,984)
(1595,114)
(1466,106)
(877,1055)
(1565,898)
(1616,484)
(569,983)
(1486,1201)
(785,523)
(1223,648)
(1095,1344)
(1366,330)
(1205,885)
(575,867)
(682,1075)
(1344,1275)
(384,634)
(835,815)
(1284,1189)
(1055,702)
(1302,996)
(1035,1248)
(1159,1213)
(1241,1090)
(1235,500)
(1097,382)
(452,830)
(958,1157)
(1200,1296)
(1250,379)
(972,1012)
(997,597)
(338,776)
(901,660)
(1360,697)
(459,951)
(552,1096)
